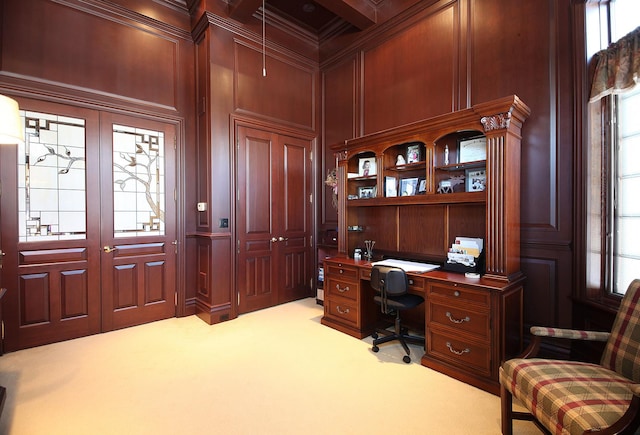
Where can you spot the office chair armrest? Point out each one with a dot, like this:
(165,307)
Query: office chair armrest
(572,334)
(539,332)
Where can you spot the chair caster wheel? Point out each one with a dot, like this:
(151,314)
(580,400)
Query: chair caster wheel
(406,359)
(375,348)
(374,335)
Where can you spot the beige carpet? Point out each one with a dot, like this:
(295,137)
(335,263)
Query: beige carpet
(275,371)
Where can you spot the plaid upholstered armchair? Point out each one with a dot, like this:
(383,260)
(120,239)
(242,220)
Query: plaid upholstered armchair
(569,397)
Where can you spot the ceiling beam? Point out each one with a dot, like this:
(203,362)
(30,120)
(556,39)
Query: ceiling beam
(242,10)
(360,13)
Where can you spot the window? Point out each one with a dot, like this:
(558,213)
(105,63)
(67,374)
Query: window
(613,171)
(626,187)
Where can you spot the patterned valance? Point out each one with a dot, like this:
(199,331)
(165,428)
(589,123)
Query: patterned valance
(618,67)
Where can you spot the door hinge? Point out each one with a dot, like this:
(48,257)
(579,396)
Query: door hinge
(238,246)
(311,198)
(175,142)
(238,298)
(311,156)
(310,240)
(175,195)
(175,299)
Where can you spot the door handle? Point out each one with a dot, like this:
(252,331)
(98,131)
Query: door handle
(273,239)
(109,249)
(282,239)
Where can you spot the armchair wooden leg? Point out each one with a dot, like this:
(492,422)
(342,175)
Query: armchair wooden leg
(506,411)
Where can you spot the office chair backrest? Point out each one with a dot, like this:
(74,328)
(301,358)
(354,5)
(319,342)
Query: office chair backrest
(392,279)
(622,352)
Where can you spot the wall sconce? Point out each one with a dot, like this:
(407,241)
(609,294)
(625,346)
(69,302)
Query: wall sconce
(11,131)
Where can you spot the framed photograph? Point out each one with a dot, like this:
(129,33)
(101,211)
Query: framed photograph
(472,150)
(476,180)
(390,186)
(422,185)
(413,153)
(367,166)
(408,186)
(366,192)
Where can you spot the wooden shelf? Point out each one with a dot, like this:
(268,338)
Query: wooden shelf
(439,198)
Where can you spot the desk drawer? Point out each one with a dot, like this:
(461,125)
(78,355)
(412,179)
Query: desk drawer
(342,310)
(467,354)
(459,319)
(459,294)
(416,283)
(338,270)
(341,288)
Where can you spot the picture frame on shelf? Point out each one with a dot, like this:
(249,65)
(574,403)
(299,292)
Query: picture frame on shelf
(472,149)
(367,166)
(422,185)
(366,192)
(476,180)
(408,186)
(390,186)
(414,153)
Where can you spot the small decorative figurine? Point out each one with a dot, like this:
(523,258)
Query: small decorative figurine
(400,160)
(446,186)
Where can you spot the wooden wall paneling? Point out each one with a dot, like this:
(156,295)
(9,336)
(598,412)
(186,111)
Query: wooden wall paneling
(465,221)
(422,232)
(530,45)
(124,56)
(214,296)
(339,109)
(547,296)
(415,72)
(285,95)
(114,56)
(203,149)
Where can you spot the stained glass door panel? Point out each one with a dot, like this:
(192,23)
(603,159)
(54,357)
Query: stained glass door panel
(138,221)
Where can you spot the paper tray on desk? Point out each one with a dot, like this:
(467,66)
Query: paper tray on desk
(461,268)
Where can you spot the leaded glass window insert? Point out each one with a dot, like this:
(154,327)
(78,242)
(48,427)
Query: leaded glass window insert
(138,182)
(51,178)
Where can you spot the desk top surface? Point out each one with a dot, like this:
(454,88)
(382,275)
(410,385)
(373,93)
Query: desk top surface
(490,283)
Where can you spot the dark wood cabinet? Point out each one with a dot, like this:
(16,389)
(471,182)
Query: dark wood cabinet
(463,169)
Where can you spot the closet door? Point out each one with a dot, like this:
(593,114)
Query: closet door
(273,218)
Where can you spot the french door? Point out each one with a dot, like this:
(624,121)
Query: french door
(87,221)
(138,231)
(273,218)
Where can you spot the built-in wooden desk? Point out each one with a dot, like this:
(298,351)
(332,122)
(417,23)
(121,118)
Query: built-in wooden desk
(471,325)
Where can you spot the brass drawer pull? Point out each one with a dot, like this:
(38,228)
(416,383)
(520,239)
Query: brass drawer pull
(341,311)
(456,293)
(457,352)
(343,289)
(454,320)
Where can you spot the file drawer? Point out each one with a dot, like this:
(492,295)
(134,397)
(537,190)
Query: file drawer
(342,310)
(459,319)
(342,288)
(467,354)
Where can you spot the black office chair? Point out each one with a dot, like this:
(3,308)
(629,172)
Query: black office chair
(392,285)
